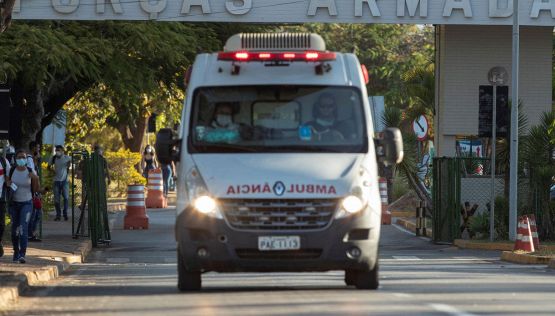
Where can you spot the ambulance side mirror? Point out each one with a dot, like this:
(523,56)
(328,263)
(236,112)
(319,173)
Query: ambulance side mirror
(167,146)
(389,146)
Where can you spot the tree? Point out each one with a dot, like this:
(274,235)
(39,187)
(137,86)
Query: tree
(6,8)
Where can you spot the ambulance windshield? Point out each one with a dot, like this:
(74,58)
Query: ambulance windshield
(277,119)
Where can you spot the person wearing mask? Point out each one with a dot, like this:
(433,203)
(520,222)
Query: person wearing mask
(22,181)
(326,125)
(60,162)
(149,161)
(4,172)
(222,129)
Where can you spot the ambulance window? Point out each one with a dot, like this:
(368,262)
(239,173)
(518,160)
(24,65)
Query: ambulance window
(278,118)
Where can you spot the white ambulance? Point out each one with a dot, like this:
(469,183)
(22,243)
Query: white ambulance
(277,162)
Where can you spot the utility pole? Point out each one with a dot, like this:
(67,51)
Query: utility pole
(513,190)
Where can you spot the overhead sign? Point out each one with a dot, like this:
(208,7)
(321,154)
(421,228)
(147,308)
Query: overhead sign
(479,12)
(420,127)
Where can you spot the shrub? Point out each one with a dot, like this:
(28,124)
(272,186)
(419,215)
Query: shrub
(121,165)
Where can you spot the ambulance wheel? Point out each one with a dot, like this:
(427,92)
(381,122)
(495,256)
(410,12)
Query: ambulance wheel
(367,280)
(350,277)
(187,281)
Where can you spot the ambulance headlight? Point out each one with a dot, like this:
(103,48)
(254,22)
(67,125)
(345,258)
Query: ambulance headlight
(205,204)
(352,204)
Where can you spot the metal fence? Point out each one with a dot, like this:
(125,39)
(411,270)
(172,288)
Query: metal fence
(462,195)
(89,198)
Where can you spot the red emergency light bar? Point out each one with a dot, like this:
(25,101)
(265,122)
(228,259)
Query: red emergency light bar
(276,56)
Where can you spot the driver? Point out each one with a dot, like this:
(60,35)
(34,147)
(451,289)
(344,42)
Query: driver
(325,125)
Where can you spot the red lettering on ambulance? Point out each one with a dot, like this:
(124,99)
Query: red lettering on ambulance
(245,189)
(230,190)
(266,188)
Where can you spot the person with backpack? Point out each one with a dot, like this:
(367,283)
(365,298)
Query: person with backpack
(60,162)
(34,161)
(4,171)
(22,182)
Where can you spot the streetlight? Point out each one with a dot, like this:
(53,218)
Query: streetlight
(497,77)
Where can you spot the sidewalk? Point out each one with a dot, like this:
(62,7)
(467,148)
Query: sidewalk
(46,260)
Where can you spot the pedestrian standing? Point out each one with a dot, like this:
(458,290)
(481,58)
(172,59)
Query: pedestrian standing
(22,181)
(149,161)
(4,171)
(60,162)
(168,172)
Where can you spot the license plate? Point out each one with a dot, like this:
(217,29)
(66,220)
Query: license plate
(269,243)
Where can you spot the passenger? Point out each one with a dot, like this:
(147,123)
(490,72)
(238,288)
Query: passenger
(326,125)
(149,161)
(222,129)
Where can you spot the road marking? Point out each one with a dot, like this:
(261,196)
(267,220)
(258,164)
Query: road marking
(118,260)
(449,310)
(402,295)
(406,258)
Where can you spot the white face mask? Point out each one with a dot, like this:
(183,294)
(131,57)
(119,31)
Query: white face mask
(223,119)
(324,122)
(58,153)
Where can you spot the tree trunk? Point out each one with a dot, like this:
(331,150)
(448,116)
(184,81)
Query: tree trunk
(6,14)
(132,133)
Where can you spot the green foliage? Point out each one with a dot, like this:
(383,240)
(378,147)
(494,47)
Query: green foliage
(121,165)
(537,150)
(479,225)
(387,50)
(47,181)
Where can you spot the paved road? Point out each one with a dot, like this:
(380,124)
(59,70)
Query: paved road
(137,276)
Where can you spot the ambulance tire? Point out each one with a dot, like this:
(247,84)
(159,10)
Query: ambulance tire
(367,280)
(187,281)
(350,277)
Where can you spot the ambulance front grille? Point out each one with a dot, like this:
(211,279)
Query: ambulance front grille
(278,214)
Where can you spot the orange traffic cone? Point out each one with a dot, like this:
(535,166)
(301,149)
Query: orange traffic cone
(534,230)
(524,236)
(155,197)
(386,214)
(135,215)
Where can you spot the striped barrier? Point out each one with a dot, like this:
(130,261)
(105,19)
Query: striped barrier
(155,197)
(524,240)
(135,215)
(386,214)
(534,230)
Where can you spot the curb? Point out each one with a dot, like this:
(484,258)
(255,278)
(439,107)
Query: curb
(400,213)
(15,283)
(486,245)
(467,244)
(524,258)
(410,226)
(552,264)
(406,224)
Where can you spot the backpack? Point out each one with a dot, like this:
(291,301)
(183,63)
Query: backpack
(4,187)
